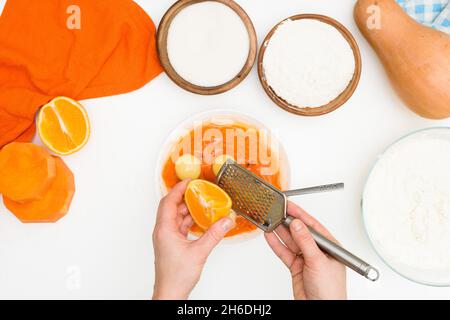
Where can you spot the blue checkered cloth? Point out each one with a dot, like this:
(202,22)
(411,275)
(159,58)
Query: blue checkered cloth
(433,13)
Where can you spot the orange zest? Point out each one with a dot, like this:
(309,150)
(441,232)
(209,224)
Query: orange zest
(206,202)
(63,125)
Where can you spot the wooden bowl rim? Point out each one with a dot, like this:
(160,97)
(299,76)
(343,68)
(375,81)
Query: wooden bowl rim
(162,33)
(339,100)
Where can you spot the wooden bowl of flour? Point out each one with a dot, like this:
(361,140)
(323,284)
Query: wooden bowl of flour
(162,45)
(333,104)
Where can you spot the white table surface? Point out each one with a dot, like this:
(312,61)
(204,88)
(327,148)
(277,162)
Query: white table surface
(103,247)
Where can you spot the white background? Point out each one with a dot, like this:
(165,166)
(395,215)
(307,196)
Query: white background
(105,240)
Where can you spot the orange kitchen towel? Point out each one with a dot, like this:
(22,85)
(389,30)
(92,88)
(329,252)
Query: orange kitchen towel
(77,48)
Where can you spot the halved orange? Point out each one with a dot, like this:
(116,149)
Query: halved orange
(207,203)
(63,125)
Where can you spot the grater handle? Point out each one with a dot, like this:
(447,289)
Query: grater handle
(340,254)
(317,189)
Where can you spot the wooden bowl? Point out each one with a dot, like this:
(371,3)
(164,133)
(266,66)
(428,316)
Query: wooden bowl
(164,58)
(332,105)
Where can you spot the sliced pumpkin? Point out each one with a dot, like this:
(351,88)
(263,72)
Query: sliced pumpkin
(26,171)
(55,203)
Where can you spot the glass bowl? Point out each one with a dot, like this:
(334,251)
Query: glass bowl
(430,277)
(219,117)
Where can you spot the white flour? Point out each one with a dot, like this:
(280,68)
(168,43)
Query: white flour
(308,63)
(407,206)
(207,43)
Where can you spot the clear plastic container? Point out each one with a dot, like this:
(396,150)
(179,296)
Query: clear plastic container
(431,277)
(219,117)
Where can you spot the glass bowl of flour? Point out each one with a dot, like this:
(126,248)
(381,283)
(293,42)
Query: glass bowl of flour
(406,206)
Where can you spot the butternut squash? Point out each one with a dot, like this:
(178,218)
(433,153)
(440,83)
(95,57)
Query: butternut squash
(26,171)
(416,57)
(55,203)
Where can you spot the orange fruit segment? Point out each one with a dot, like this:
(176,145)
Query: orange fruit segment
(63,125)
(207,203)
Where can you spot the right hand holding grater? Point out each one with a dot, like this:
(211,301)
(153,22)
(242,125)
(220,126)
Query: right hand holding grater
(315,276)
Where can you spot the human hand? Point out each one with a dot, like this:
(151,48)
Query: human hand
(315,275)
(179,261)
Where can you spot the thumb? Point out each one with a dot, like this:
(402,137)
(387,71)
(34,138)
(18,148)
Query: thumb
(214,235)
(305,241)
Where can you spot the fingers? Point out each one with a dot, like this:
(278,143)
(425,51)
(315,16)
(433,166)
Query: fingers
(176,194)
(311,252)
(214,235)
(310,221)
(168,206)
(281,251)
(285,236)
(186,224)
(183,210)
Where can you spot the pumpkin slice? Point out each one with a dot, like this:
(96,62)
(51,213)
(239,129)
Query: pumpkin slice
(55,203)
(26,171)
